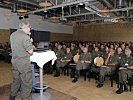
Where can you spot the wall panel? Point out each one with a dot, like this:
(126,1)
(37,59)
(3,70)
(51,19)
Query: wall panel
(104,32)
(4,35)
(61,37)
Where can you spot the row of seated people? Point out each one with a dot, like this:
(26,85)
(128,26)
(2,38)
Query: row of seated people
(5,51)
(115,55)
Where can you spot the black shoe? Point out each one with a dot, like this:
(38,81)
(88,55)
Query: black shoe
(119,91)
(74,80)
(65,73)
(12,97)
(99,85)
(56,75)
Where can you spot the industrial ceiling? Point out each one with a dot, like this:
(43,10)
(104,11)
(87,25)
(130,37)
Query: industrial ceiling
(77,12)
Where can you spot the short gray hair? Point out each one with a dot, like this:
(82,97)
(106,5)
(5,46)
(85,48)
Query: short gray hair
(127,49)
(24,24)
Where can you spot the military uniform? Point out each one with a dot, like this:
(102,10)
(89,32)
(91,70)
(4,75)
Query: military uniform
(73,52)
(22,74)
(60,55)
(107,70)
(83,57)
(120,56)
(125,73)
(95,54)
(105,55)
(82,66)
(67,56)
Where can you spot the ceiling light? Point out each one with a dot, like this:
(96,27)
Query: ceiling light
(22,11)
(104,11)
(81,4)
(8,14)
(26,16)
(20,17)
(45,4)
(118,18)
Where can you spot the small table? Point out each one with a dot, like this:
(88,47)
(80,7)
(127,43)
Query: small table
(42,58)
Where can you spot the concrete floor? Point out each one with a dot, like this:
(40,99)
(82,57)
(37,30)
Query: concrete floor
(83,90)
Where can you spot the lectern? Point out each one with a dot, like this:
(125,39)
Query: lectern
(41,58)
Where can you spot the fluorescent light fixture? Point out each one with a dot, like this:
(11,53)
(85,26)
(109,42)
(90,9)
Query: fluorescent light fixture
(87,8)
(104,11)
(8,14)
(22,11)
(45,4)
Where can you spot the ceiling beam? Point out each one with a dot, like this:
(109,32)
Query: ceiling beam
(90,13)
(60,5)
(107,3)
(29,2)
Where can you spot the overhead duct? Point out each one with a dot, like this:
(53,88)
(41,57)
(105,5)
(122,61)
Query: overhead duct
(14,7)
(120,3)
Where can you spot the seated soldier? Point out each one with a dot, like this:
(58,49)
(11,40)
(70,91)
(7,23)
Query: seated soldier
(94,54)
(73,50)
(109,68)
(66,59)
(120,55)
(59,54)
(126,71)
(83,63)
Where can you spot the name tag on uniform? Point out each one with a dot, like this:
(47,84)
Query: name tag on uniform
(119,57)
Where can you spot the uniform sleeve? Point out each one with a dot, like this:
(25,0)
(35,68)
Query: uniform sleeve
(70,56)
(131,63)
(27,43)
(90,58)
(116,60)
(62,54)
(80,58)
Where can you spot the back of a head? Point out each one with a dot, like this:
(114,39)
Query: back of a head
(24,24)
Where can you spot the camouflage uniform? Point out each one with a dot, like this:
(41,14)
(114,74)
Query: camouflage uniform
(107,70)
(95,54)
(22,74)
(125,73)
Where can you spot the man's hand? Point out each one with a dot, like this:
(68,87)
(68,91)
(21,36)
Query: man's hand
(87,62)
(82,61)
(31,40)
(109,54)
(62,60)
(130,67)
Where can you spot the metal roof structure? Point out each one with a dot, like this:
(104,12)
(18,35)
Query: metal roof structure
(80,12)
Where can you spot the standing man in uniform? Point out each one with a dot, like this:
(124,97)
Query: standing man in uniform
(125,72)
(22,49)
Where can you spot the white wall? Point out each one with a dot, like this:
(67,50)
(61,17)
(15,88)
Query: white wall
(7,22)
